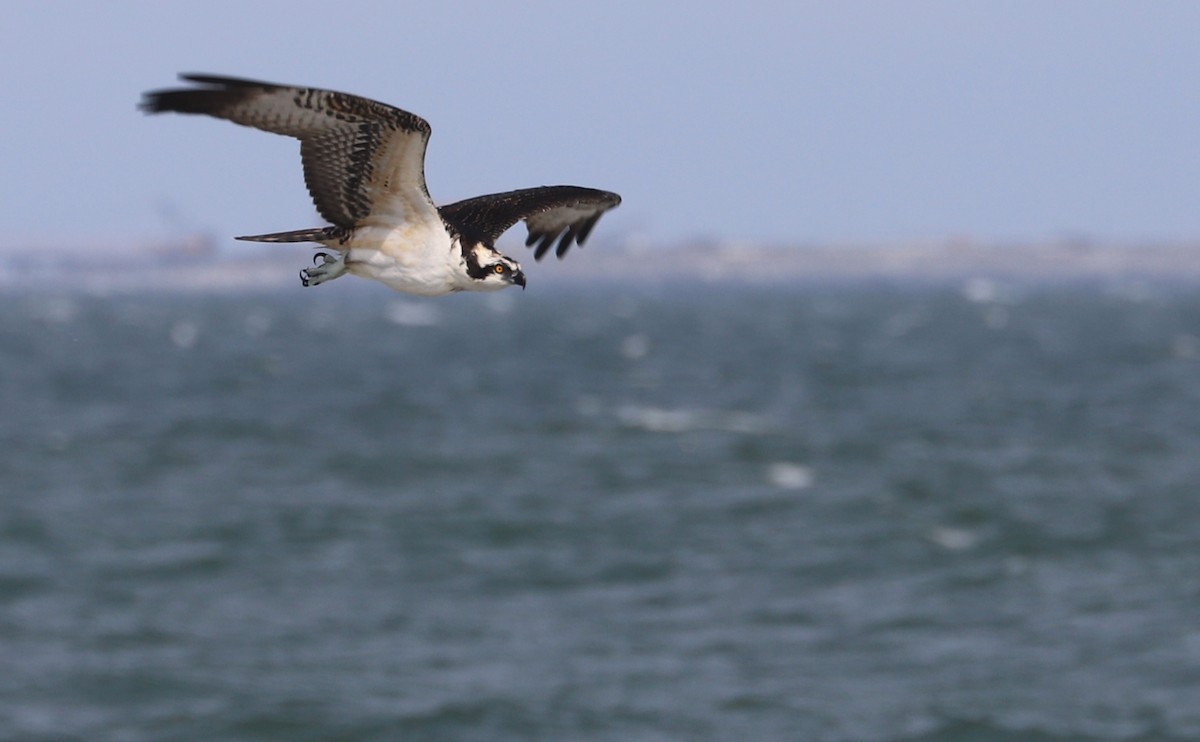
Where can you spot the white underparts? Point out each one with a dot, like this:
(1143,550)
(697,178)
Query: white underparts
(413,258)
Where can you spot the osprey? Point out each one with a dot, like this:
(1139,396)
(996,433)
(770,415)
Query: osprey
(364,165)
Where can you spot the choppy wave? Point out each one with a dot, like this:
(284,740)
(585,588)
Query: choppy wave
(905,515)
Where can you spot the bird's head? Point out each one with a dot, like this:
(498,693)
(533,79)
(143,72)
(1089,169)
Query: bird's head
(495,271)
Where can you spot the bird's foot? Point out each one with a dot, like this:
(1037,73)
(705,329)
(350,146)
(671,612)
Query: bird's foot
(328,269)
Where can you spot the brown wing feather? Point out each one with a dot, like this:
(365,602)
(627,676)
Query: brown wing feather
(563,213)
(356,152)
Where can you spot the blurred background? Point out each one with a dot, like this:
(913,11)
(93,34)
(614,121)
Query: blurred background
(871,414)
(776,122)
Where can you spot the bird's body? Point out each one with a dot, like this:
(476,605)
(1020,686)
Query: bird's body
(415,259)
(364,165)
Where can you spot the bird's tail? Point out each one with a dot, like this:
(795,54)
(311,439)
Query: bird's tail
(321,234)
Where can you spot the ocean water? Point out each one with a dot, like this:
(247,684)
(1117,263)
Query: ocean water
(859,512)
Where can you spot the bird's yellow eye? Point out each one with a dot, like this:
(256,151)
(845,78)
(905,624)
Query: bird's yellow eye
(500,268)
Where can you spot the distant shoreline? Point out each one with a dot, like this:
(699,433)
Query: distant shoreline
(197,264)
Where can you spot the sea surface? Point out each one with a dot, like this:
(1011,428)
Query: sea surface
(872,512)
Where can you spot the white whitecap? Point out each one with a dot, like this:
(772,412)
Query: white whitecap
(411,314)
(635,347)
(664,420)
(657,419)
(184,334)
(790,476)
(952,539)
(981,290)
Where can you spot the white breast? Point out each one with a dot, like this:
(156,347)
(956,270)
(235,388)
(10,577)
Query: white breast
(409,258)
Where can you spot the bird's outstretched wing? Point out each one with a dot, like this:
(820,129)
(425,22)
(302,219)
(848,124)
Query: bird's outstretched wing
(360,156)
(548,211)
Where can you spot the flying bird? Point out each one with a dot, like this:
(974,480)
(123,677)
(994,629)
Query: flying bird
(364,165)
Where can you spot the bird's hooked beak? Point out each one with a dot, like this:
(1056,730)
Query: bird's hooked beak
(518,277)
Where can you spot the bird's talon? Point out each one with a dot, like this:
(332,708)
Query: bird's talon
(304,278)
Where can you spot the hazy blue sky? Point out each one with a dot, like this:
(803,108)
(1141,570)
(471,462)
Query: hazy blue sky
(787,122)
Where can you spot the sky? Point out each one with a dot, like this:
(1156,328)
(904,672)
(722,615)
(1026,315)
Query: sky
(788,122)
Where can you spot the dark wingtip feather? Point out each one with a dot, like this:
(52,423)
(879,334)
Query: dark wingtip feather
(204,78)
(543,246)
(223,81)
(586,228)
(218,91)
(177,101)
(565,243)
